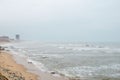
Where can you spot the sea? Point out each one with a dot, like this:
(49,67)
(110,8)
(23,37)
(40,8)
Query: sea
(81,60)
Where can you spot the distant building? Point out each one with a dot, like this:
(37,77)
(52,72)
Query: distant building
(4,39)
(17,37)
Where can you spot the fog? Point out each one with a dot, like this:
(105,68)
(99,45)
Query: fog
(61,20)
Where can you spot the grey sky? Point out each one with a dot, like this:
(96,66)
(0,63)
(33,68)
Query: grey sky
(61,20)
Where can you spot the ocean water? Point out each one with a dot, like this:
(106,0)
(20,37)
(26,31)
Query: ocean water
(87,61)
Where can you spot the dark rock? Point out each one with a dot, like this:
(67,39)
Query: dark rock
(53,72)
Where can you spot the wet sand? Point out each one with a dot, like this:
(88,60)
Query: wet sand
(42,75)
(13,67)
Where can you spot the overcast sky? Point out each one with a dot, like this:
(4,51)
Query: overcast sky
(61,20)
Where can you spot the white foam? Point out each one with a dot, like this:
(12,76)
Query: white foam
(115,75)
(18,51)
(80,71)
(92,71)
(51,55)
(82,47)
(39,65)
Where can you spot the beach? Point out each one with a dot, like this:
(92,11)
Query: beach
(12,67)
(60,61)
(13,71)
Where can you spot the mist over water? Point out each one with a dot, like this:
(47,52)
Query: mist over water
(88,61)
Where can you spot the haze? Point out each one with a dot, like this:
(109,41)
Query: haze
(61,20)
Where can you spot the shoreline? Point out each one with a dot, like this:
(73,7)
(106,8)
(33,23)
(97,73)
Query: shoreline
(13,71)
(42,75)
(26,70)
(30,65)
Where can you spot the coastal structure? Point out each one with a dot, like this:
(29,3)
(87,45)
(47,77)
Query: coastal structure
(17,37)
(4,39)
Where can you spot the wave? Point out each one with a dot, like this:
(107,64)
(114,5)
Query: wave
(63,54)
(39,65)
(111,70)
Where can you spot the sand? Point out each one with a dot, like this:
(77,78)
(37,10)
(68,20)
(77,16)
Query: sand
(12,68)
(13,71)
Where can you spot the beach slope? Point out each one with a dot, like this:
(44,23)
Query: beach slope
(10,70)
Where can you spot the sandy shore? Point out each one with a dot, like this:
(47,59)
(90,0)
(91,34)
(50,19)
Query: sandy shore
(13,68)
(13,71)
(33,69)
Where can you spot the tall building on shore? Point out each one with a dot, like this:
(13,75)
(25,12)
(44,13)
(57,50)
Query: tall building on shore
(17,37)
